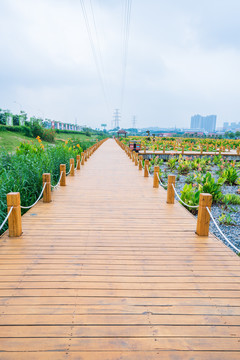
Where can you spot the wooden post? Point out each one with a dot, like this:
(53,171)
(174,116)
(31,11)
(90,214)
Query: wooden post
(136,159)
(83,157)
(140,162)
(63,178)
(146,165)
(71,167)
(182,150)
(238,150)
(47,191)
(155,177)
(144,149)
(203,215)
(201,150)
(164,148)
(14,220)
(133,156)
(170,190)
(78,162)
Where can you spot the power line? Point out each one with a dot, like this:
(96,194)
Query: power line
(94,52)
(126,31)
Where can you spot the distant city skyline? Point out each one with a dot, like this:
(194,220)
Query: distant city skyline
(206,123)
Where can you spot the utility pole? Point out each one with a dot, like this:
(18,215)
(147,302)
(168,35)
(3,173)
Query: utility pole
(116,118)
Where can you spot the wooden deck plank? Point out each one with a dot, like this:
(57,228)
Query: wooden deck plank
(108,270)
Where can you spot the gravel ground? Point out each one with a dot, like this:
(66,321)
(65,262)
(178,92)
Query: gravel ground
(232,232)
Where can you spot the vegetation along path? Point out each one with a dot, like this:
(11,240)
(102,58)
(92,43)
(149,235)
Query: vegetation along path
(108,270)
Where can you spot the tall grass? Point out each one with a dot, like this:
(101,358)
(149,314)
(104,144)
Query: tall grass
(22,172)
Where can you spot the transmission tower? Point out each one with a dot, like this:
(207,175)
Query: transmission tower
(116,118)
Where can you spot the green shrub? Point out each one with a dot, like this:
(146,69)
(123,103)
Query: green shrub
(233,199)
(210,186)
(190,195)
(231,175)
(22,171)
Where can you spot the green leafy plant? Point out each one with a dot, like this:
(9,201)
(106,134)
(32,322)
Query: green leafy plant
(226,219)
(231,175)
(172,163)
(211,186)
(190,195)
(233,199)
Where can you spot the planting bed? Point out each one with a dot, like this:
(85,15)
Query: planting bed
(215,176)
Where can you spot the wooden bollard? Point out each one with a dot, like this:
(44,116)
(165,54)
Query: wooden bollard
(164,149)
(155,177)
(85,155)
(146,165)
(83,158)
(170,190)
(136,159)
(63,171)
(182,150)
(133,156)
(144,148)
(78,162)
(203,220)
(72,167)
(14,220)
(238,150)
(47,191)
(140,162)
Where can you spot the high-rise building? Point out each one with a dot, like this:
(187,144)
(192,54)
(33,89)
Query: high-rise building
(206,123)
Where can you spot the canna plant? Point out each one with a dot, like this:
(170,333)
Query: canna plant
(210,186)
(190,195)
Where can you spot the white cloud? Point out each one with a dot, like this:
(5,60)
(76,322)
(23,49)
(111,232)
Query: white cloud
(183,59)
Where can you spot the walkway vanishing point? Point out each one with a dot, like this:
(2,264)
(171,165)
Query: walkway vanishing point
(109,271)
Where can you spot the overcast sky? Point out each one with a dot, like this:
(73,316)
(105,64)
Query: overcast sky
(183,59)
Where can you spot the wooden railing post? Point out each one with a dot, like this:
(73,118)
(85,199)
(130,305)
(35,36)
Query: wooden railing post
(136,159)
(182,150)
(63,171)
(170,190)
(14,220)
(133,156)
(203,219)
(164,149)
(155,177)
(71,167)
(78,162)
(83,157)
(47,191)
(146,165)
(140,162)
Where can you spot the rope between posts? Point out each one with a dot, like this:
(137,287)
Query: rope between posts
(160,182)
(69,170)
(5,220)
(28,207)
(214,221)
(54,187)
(76,165)
(190,206)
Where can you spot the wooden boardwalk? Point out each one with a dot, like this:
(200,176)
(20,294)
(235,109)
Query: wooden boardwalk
(109,271)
